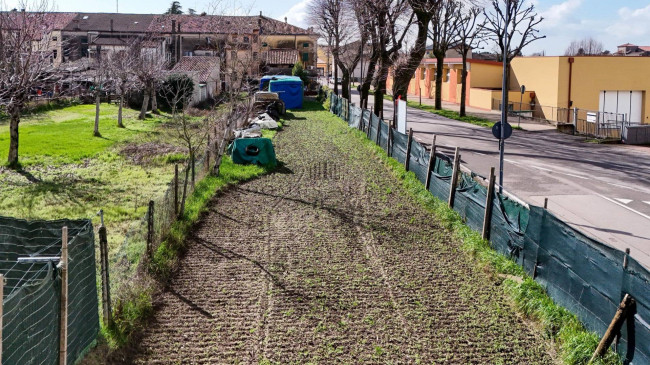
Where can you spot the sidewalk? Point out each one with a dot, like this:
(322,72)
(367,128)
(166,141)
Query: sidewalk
(493,115)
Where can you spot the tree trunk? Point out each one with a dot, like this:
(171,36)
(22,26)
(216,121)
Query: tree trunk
(336,78)
(439,65)
(365,87)
(380,87)
(154,101)
(12,159)
(145,105)
(119,112)
(404,75)
(181,211)
(97,101)
(463,86)
(345,83)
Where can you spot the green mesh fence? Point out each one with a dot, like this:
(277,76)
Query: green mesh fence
(374,126)
(32,292)
(355,116)
(583,275)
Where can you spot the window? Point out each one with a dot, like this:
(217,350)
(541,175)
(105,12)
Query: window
(305,57)
(264,44)
(446,76)
(305,45)
(246,39)
(423,73)
(55,54)
(55,38)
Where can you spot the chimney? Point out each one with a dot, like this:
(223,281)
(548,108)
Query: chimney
(173,26)
(22,10)
(260,13)
(111,25)
(179,27)
(285,19)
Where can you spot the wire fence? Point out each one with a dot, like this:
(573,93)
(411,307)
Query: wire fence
(586,276)
(31,262)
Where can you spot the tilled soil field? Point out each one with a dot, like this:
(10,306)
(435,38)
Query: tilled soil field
(328,260)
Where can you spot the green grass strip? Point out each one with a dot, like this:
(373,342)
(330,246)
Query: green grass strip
(574,342)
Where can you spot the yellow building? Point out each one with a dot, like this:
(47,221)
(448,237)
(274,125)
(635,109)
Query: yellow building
(608,84)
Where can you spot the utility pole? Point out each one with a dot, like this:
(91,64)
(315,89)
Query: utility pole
(504,96)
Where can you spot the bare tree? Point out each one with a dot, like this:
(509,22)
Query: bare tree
(122,78)
(469,36)
(148,67)
(442,33)
(584,47)
(25,63)
(521,26)
(424,11)
(394,19)
(369,37)
(100,85)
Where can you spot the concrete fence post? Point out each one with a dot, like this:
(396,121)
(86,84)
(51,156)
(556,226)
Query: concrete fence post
(454,178)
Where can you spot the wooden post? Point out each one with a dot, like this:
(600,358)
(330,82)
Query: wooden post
(545,203)
(207,155)
(193,165)
(389,143)
(487,216)
(369,126)
(150,228)
(408,149)
(361,120)
(454,178)
(63,329)
(626,257)
(614,327)
(378,130)
(176,189)
(432,161)
(106,287)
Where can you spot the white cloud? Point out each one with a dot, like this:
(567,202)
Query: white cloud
(632,24)
(297,14)
(559,13)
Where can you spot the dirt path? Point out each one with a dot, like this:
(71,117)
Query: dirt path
(325,261)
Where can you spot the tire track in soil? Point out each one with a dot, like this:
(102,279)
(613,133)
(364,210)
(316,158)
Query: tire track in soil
(328,260)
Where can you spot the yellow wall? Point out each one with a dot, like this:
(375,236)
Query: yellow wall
(486,76)
(549,77)
(273,41)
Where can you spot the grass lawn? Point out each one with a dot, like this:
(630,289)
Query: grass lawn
(68,173)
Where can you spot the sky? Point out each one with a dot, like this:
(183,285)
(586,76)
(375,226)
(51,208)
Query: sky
(611,22)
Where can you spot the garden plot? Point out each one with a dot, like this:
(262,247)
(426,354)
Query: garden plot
(329,260)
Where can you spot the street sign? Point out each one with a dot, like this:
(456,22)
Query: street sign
(496,130)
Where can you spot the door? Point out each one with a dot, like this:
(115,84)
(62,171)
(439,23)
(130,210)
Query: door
(628,102)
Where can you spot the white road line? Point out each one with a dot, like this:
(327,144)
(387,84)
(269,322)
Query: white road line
(647,202)
(541,168)
(624,201)
(511,161)
(621,186)
(479,153)
(578,176)
(624,206)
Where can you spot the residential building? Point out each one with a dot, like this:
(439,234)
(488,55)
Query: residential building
(629,49)
(204,71)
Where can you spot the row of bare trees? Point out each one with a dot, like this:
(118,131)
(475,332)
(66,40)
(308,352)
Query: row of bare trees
(395,34)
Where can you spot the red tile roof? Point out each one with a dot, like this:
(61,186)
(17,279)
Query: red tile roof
(202,65)
(281,56)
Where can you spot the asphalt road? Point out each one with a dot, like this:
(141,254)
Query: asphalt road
(603,190)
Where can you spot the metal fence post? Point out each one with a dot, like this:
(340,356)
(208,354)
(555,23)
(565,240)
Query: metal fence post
(106,287)
(2,289)
(378,130)
(207,155)
(176,189)
(489,199)
(432,161)
(389,143)
(361,119)
(63,320)
(369,126)
(150,228)
(454,178)
(408,149)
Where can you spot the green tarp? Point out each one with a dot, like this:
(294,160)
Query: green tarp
(583,275)
(257,151)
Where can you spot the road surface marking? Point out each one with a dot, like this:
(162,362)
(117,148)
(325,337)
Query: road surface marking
(511,161)
(624,201)
(479,153)
(647,203)
(578,176)
(541,168)
(624,206)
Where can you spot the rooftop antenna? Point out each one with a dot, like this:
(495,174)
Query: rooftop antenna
(117,6)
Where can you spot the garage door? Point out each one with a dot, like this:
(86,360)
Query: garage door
(626,102)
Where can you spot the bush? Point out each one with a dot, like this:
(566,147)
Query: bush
(299,70)
(177,88)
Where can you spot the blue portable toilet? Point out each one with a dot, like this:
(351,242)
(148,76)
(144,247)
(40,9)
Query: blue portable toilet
(264,81)
(290,90)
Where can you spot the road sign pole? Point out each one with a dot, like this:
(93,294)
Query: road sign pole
(504,96)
